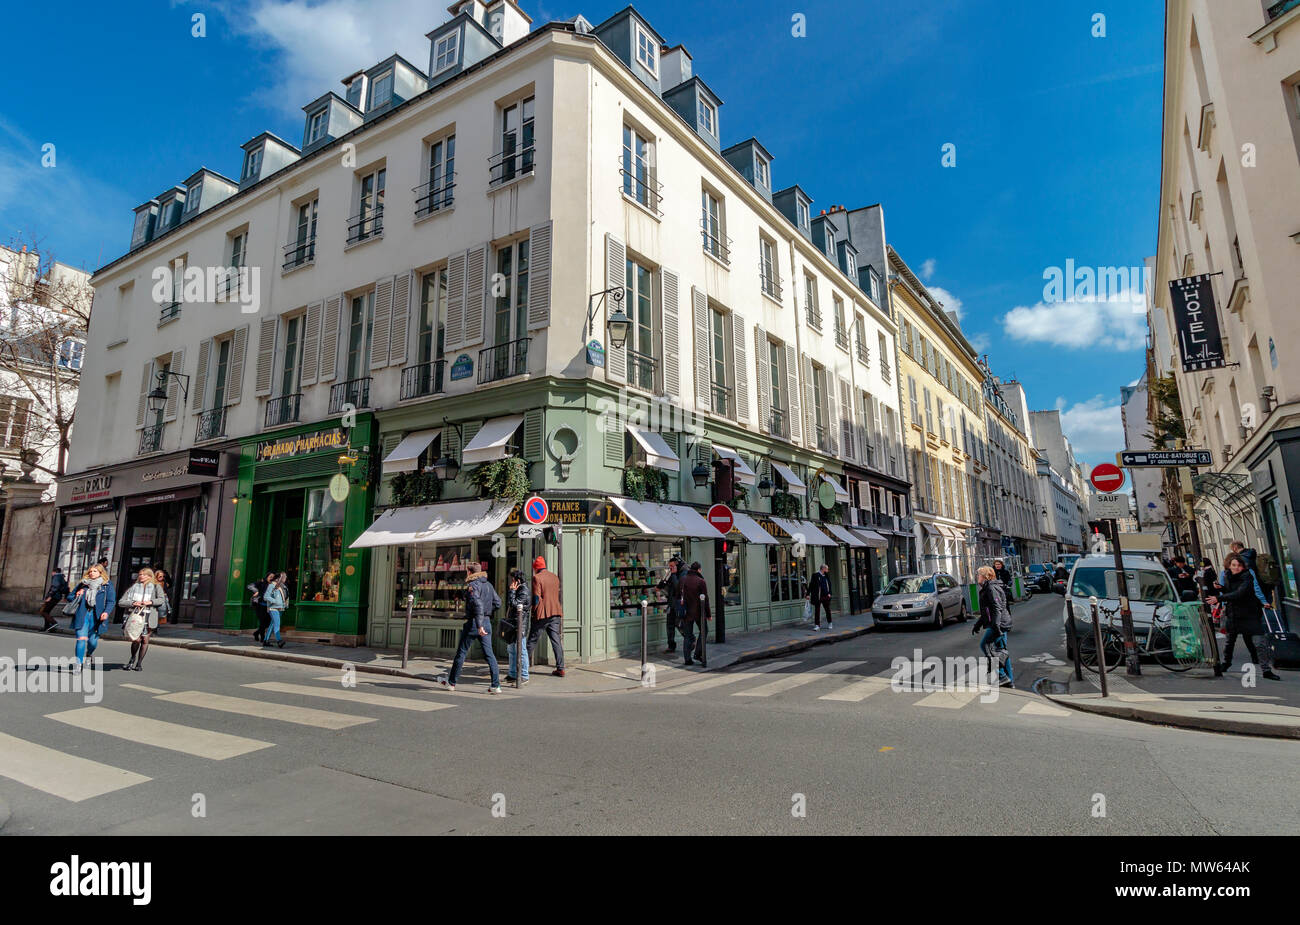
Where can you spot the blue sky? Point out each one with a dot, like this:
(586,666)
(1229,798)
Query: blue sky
(1056,134)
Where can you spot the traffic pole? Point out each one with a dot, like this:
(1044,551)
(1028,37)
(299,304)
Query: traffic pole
(1134,668)
(645,624)
(1101,655)
(406,639)
(521,644)
(704,630)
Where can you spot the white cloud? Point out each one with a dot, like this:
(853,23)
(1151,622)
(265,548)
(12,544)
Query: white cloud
(927,269)
(318,44)
(1094,427)
(949,301)
(980,341)
(1107,325)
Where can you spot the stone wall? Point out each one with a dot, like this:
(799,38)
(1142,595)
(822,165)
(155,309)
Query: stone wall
(25,556)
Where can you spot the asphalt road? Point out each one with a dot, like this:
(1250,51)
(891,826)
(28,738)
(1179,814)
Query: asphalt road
(203,743)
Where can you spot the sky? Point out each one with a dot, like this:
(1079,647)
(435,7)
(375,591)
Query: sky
(1003,139)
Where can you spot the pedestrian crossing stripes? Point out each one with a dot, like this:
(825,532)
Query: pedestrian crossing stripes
(797,679)
(283,712)
(189,740)
(352,695)
(858,691)
(59,774)
(141,687)
(731,678)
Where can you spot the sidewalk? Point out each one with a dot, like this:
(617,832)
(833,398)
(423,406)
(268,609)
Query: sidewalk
(618,674)
(1193,699)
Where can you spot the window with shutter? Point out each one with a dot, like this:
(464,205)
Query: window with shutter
(670,314)
(615,279)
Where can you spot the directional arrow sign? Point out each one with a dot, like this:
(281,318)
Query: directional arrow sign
(1153,458)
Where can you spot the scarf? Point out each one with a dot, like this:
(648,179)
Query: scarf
(92,588)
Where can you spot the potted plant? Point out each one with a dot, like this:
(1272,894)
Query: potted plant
(646,483)
(504,479)
(411,489)
(784,504)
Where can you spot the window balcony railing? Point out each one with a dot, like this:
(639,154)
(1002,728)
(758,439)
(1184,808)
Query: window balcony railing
(864,353)
(299,253)
(778,423)
(641,370)
(503,360)
(283,410)
(841,336)
(366,225)
(814,318)
(430,198)
(721,399)
(771,282)
(354,392)
(644,190)
(715,243)
(170,311)
(212,424)
(228,287)
(422,379)
(885,369)
(151,439)
(505,166)
(823,439)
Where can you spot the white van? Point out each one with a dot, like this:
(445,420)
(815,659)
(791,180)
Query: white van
(1150,589)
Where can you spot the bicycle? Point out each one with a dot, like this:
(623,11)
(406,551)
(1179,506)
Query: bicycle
(1158,644)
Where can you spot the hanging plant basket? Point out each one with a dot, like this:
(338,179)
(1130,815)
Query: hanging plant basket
(784,504)
(832,514)
(412,489)
(646,483)
(503,479)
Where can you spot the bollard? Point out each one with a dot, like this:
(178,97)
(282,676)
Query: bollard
(406,639)
(521,642)
(645,623)
(1072,632)
(704,630)
(1101,654)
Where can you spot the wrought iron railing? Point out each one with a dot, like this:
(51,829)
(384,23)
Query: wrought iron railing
(430,198)
(778,423)
(354,392)
(169,312)
(422,379)
(641,370)
(151,439)
(212,424)
(721,399)
(366,225)
(771,282)
(645,190)
(864,353)
(503,360)
(299,253)
(229,285)
(814,317)
(283,410)
(716,244)
(505,166)
(841,335)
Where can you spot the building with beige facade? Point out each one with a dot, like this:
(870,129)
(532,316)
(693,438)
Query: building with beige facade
(1230,207)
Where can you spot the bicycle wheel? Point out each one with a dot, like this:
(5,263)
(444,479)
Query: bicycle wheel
(1161,648)
(1112,649)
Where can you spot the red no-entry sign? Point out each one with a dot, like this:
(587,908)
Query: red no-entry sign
(722,519)
(1107,477)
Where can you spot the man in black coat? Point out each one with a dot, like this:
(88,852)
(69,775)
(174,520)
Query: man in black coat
(819,593)
(671,585)
(1183,578)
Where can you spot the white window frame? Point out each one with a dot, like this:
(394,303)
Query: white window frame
(192,196)
(640,33)
(802,214)
(762,172)
(252,163)
(316,123)
(708,116)
(72,352)
(644,191)
(448,45)
(372,102)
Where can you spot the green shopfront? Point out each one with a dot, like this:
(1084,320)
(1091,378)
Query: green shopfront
(304,494)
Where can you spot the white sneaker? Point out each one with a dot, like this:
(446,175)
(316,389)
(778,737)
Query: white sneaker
(830,626)
(816,627)
(443,682)
(494,690)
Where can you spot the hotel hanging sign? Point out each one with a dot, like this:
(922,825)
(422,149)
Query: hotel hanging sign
(1197,322)
(317,441)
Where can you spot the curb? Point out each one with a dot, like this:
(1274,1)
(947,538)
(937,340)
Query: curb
(1201,723)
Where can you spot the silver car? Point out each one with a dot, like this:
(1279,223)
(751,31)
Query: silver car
(909,599)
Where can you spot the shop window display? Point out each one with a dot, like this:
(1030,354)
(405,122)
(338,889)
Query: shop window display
(435,575)
(635,570)
(322,548)
(787,574)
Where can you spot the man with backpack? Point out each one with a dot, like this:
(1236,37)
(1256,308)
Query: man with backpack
(481,601)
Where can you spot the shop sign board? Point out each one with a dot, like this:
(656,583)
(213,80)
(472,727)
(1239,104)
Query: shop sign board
(333,438)
(88,489)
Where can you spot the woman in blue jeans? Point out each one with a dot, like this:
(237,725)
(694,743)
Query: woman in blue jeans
(514,623)
(95,599)
(275,604)
(997,618)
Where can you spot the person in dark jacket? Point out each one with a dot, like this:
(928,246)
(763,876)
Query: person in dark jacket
(1001,574)
(1246,617)
(1060,574)
(56,593)
(1181,574)
(518,603)
(995,620)
(671,586)
(695,612)
(1206,579)
(819,595)
(258,588)
(481,601)
(96,599)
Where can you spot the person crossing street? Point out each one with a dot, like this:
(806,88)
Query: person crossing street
(995,620)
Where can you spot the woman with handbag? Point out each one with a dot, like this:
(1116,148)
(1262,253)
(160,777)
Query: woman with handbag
(275,600)
(515,619)
(143,601)
(1246,606)
(89,606)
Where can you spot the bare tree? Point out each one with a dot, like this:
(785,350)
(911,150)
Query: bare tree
(44,322)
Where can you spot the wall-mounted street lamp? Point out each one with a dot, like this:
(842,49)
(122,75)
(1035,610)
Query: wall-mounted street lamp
(765,488)
(445,467)
(617,325)
(158,397)
(701,474)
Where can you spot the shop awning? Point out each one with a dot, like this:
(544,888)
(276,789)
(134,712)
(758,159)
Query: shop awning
(744,474)
(844,535)
(490,442)
(802,528)
(951,532)
(794,484)
(655,519)
(407,453)
(750,529)
(872,538)
(449,522)
(840,493)
(931,530)
(657,451)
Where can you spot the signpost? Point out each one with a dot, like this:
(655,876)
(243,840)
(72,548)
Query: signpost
(1109,506)
(1146,459)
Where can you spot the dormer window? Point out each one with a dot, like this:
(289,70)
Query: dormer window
(446,52)
(761,173)
(381,91)
(192,197)
(141,227)
(647,50)
(708,118)
(252,163)
(357,91)
(316,123)
(802,212)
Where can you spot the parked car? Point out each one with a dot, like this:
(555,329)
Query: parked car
(1040,576)
(1149,590)
(911,599)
